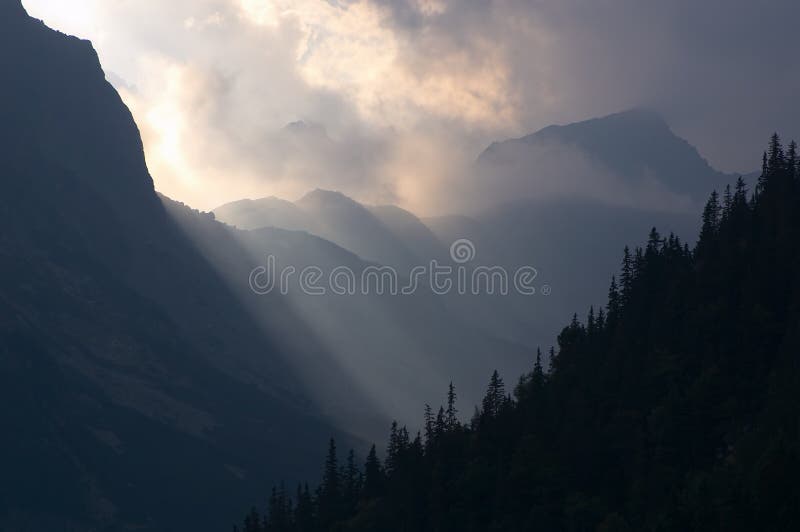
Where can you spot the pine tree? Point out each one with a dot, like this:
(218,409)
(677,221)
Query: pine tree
(304,510)
(776,159)
(791,159)
(252,523)
(762,179)
(451,415)
(627,274)
(353,481)
(440,426)
(330,492)
(279,518)
(654,242)
(393,449)
(740,195)
(373,475)
(495,397)
(727,203)
(538,377)
(711,218)
(614,301)
(430,427)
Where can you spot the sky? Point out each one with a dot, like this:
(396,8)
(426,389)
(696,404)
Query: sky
(391,101)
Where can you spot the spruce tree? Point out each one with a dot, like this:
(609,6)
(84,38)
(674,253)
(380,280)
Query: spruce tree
(538,378)
(330,492)
(614,300)
(373,475)
(451,415)
(430,427)
(627,274)
(495,397)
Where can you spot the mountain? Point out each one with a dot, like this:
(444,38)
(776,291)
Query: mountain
(412,232)
(137,391)
(633,155)
(566,200)
(673,408)
(332,216)
(264,212)
(392,348)
(573,244)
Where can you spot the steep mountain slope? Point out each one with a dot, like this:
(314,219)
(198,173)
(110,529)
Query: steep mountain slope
(129,370)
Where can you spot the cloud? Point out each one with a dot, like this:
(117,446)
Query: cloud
(409,91)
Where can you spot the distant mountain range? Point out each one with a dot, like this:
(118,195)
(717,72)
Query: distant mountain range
(580,193)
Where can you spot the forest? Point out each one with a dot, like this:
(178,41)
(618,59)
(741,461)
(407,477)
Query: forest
(675,407)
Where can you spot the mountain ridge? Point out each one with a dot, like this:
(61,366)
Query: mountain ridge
(632,145)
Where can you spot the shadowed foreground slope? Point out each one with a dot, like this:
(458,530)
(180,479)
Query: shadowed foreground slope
(135,391)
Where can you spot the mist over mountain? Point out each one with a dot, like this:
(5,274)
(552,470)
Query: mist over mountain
(565,200)
(412,232)
(393,347)
(387,235)
(264,212)
(629,159)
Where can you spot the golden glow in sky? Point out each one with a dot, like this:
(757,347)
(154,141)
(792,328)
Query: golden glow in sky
(209,81)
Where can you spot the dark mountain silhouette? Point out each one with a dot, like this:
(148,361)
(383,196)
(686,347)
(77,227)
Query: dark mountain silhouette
(136,391)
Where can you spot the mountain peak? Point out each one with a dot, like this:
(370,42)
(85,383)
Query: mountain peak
(636,121)
(322,197)
(633,145)
(61,97)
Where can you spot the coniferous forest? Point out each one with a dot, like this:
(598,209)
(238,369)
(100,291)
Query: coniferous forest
(676,407)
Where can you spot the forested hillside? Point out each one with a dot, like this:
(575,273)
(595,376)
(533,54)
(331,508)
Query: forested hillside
(674,408)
